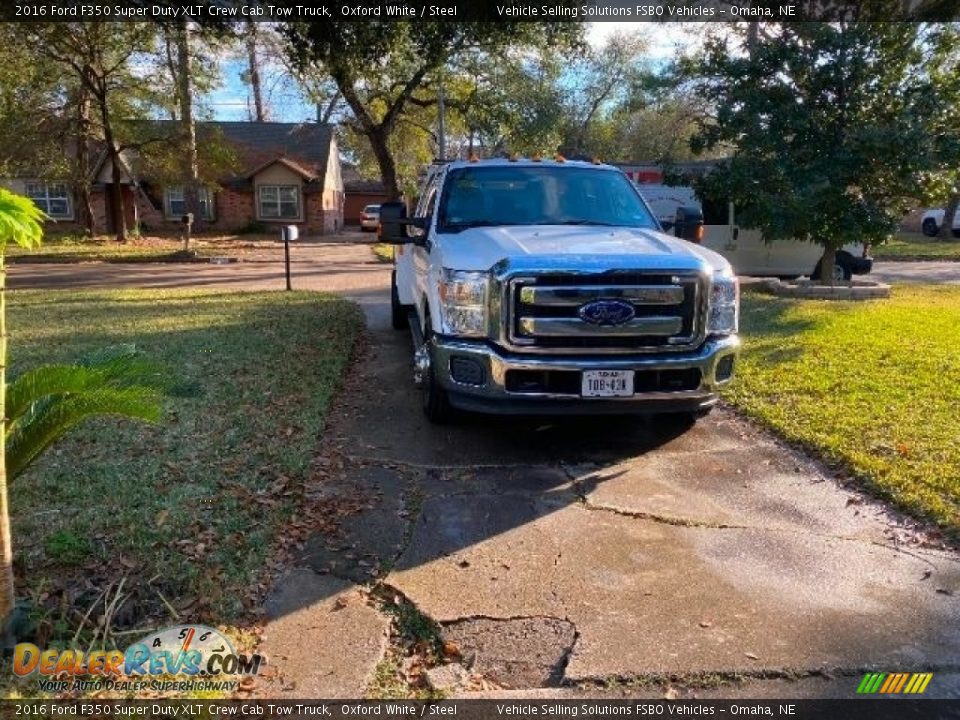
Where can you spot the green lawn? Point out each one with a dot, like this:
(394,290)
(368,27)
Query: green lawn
(916,246)
(191,508)
(870,385)
(384,252)
(71,249)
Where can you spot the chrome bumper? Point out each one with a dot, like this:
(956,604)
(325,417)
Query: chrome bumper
(492,396)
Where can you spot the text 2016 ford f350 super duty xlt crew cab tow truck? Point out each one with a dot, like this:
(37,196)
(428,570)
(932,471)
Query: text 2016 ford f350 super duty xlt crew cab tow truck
(547,287)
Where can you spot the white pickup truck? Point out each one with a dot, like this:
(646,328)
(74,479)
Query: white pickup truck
(548,287)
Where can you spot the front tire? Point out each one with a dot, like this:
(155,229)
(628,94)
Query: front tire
(929,227)
(436,403)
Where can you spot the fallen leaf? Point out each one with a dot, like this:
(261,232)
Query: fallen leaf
(706,624)
(751,656)
(451,649)
(671,694)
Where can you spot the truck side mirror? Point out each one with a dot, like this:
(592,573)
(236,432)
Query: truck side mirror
(689,224)
(393,223)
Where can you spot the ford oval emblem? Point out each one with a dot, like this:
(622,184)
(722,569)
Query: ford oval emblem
(607,312)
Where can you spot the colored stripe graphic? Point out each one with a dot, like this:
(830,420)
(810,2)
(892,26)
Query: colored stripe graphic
(894,683)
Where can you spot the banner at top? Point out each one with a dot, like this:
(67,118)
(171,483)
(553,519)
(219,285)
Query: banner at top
(225,11)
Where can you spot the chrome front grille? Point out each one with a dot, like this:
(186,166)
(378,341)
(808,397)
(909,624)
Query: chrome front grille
(543,311)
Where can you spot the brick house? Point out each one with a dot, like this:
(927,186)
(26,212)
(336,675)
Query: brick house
(283,174)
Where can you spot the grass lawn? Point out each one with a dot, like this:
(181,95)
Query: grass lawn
(69,248)
(870,385)
(189,509)
(384,252)
(917,246)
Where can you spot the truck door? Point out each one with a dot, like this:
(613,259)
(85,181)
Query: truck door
(410,259)
(420,260)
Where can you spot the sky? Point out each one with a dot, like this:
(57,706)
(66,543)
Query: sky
(231,100)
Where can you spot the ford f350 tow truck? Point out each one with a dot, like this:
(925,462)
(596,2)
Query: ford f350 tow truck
(548,287)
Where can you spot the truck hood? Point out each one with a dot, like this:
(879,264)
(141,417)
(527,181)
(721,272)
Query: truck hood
(584,247)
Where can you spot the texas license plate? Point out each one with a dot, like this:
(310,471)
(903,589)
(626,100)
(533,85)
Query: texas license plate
(607,383)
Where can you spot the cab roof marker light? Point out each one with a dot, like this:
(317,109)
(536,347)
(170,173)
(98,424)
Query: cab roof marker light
(597,161)
(473,158)
(536,157)
(559,158)
(513,157)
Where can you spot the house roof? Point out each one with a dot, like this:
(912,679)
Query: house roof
(303,147)
(306,146)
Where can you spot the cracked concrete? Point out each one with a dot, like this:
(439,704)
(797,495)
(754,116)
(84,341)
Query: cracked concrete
(519,652)
(322,640)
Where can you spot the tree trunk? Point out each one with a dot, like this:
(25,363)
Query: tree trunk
(117,210)
(827,261)
(388,168)
(255,85)
(189,131)
(946,227)
(81,189)
(6,547)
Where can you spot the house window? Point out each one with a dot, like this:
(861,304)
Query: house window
(52,198)
(177,203)
(279,201)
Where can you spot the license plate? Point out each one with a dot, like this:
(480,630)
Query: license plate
(607,383)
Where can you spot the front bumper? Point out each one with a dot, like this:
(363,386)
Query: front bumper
(489,392)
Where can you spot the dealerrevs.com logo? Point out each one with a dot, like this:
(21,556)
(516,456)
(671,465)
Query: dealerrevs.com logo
(178,658)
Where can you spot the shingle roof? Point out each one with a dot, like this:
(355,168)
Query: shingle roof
(257,144)
(306,144)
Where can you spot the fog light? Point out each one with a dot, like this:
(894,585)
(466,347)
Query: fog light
(724,369)
(466,371)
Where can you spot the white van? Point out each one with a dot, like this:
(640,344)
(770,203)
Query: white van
(746,249)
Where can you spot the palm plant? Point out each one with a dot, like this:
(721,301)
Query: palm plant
(20,222)
(43,404)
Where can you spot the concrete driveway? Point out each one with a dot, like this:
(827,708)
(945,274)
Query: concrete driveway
(928,271)
(564,557)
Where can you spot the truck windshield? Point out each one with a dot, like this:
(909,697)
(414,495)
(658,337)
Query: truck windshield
(547,195)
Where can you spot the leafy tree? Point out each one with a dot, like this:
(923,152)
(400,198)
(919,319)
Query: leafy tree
(835,126)
(98,57)
(597,83)
(32,142)
(510,101)
(377,67)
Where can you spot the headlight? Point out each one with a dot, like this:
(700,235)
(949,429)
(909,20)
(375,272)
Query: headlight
(463,302)
(724,310)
